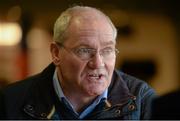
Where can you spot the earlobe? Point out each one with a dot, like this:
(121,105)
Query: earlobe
(56,61)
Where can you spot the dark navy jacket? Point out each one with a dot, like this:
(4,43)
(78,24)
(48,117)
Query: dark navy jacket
(35,98)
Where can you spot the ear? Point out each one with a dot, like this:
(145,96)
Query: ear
(55,53)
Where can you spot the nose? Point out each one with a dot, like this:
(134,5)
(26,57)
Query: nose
(96,61)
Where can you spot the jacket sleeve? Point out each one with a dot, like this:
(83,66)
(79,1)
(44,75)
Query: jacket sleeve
(147,95)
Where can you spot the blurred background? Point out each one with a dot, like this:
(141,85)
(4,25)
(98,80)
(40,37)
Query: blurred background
(148,38)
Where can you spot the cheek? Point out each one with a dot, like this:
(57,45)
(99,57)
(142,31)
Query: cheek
(72,67)
(110,67)
(110,70)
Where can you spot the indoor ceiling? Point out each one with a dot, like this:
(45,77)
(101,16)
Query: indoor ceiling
(53,5)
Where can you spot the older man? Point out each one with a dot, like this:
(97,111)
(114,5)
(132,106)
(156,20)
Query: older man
(81,83)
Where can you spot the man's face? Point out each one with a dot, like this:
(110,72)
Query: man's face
(89,77)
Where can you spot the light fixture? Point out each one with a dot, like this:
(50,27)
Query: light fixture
(10,34)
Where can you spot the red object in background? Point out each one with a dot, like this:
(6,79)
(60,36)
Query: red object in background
(22,65)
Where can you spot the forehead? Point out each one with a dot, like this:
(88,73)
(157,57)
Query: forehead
(90,29)
(91,20)
(93,36)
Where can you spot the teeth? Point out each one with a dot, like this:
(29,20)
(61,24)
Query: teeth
(95,75)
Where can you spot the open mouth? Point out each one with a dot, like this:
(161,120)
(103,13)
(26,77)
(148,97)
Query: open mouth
(95,76)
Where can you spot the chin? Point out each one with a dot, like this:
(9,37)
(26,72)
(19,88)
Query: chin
(95,92)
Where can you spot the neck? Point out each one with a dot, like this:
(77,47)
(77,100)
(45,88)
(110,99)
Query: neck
(76,97)
(78,100)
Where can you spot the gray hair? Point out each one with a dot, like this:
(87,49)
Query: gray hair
(63,21)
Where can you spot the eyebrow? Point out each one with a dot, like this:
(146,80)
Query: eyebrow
(104,44)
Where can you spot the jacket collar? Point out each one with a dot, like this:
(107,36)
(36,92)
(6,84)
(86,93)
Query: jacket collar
(118,90)
(40,101)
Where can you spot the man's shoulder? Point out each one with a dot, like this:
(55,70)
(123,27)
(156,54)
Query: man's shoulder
(19,87)
(134,84)
(131,80)
(23,85)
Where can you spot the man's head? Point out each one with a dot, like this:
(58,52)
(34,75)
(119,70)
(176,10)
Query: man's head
(84,50)
(63,21)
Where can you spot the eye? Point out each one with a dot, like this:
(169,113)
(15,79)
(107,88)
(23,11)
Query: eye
(108,50)
(83,51)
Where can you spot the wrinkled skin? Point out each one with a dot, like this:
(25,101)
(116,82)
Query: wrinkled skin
(85,78)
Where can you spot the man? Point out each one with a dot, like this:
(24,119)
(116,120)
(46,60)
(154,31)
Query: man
(81,83)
